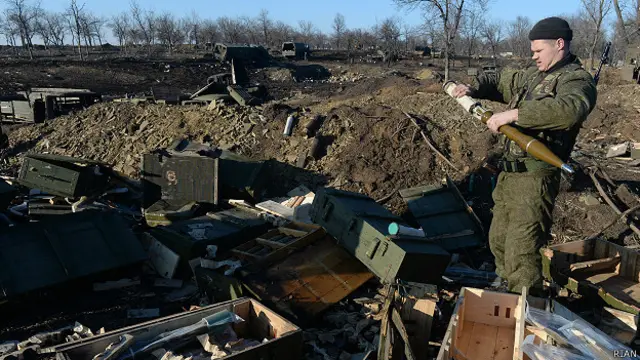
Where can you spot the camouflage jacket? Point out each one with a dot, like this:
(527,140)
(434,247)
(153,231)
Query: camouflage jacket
(552,105)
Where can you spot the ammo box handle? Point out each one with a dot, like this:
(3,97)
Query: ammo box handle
(327,211)
(373,250)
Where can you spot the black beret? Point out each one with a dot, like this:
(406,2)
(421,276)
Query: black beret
(550,29)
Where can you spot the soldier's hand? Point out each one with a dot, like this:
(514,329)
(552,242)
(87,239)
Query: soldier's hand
(502,118)
(462,90)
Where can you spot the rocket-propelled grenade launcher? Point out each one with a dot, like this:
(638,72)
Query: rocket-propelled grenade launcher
(526,142)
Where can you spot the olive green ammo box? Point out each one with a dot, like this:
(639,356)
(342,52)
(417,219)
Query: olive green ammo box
(189,172)
(361,226)
(445,216)
(62,175)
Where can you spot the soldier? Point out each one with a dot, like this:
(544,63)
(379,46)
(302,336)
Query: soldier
(550,102)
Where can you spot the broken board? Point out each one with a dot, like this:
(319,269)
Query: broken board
(310,280)
(164,261)
(276,244)
(596,269)
(445,216)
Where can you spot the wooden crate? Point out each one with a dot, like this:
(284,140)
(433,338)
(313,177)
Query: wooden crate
(303,284)
(276,244)
(284,338)
(485,325)
(596,268)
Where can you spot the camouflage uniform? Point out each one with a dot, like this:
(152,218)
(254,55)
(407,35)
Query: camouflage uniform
(552,106)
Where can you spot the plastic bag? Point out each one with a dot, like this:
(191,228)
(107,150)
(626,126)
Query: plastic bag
(545,319)
(546,351)
(594,343)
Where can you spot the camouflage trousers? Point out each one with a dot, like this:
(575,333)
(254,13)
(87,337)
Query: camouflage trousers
(521,225)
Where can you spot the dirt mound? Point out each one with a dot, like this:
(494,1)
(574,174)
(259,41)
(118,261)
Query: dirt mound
(118,133)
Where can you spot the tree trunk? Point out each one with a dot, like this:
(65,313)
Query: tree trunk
(620,24)
(446,60)
(592,52)
(80,48)
(30,48)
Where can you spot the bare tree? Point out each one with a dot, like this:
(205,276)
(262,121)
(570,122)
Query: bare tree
(209,33)
(230,29)
(389,36)
(470,29)
(282,32)
(8,29)
(143,23)
(597,11)
(307,30)
(493,33)
(448,13)
(169,32)
(519,36)
(620,24)
(75,14)
(339,27)
(265,26)
(23,15)
(50,28)
(120,27)
(191,28)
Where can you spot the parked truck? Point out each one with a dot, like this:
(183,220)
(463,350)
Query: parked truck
(294,50)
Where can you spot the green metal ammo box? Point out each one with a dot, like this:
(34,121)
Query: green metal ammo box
(62,175)
(57,250)
(361,226)
(194,172)
(445,216)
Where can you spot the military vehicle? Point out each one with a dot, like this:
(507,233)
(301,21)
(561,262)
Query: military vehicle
(243,52)
(294,50)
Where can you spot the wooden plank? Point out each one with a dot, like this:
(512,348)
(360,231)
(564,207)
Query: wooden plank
(384,344)
(275,208)
(277,326)
(482,342)
(311,280)
(293,232)
(397,322)
(271,244)
(460,349)
(595,265)
(601,250)
(299,244)
(164,261)
(504,344)
(417,312)
(481,306)
(245,254)
(521,318)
